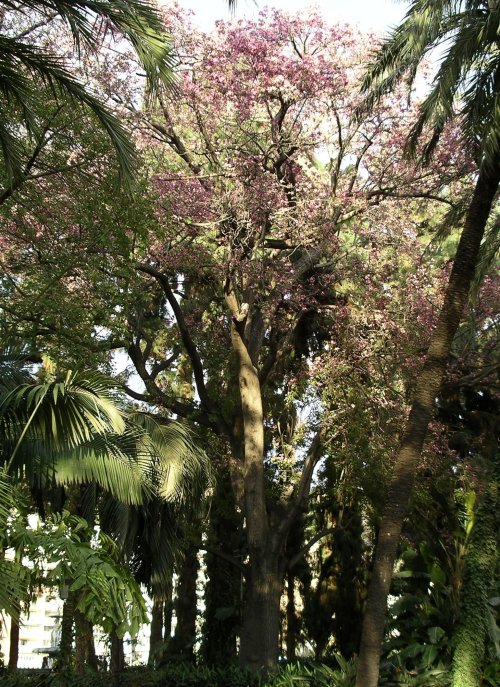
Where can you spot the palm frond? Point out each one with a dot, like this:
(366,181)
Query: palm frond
(180,467)
(20,66)
(467,83)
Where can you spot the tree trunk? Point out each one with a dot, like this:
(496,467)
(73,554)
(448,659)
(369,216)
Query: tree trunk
(223,588)
(480,567)
(291,619)
(168,607)
(259,644)
(416,428)
(66,644)
(14,643)
(186,609)
(84,644)
(117,656)
(156,636)
(260,631)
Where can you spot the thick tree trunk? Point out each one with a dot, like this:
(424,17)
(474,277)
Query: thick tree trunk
(259,644)
(14,643)
(416,428)
(223,589)
(156,627)
(480,567)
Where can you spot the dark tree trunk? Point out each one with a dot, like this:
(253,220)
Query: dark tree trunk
(259,645)
(291,619)
(185,606)
(407,460)
(66,645)
(117,656)
(223,589)
(156,627)
(14,643)
(168,607)
(84,644)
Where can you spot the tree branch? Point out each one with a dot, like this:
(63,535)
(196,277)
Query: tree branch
(300,554)
(304,485)
(224,556)
(184,332)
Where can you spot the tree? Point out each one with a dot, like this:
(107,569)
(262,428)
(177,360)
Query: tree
(60,553)
(252,218)
(253,255)
(25,66)
(466,86)
(70,429)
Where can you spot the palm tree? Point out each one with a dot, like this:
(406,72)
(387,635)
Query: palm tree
(466,87)
(24,67)
(73,430)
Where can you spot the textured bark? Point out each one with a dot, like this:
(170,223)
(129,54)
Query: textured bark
(14,643)
(66,646)
(416,428)
(291,619)
(223,589)
(85,656)
(259,643)
(479,575)
(259,647)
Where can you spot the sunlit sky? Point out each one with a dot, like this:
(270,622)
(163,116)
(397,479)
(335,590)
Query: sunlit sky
(380,15)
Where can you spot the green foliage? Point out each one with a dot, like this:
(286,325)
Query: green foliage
(185,675)
(65,550)
(25,68)
(71,428)
(467,33)
(480,567)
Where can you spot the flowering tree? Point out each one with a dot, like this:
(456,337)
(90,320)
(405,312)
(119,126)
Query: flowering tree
(271,271)
(268,191)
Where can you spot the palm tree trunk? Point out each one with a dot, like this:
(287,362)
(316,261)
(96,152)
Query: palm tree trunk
(224,584)
(84,644)
(168,608)
(117,656)
(407,460)
(186,609)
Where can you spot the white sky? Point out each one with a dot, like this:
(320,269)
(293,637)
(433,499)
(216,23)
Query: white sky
(380,15)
